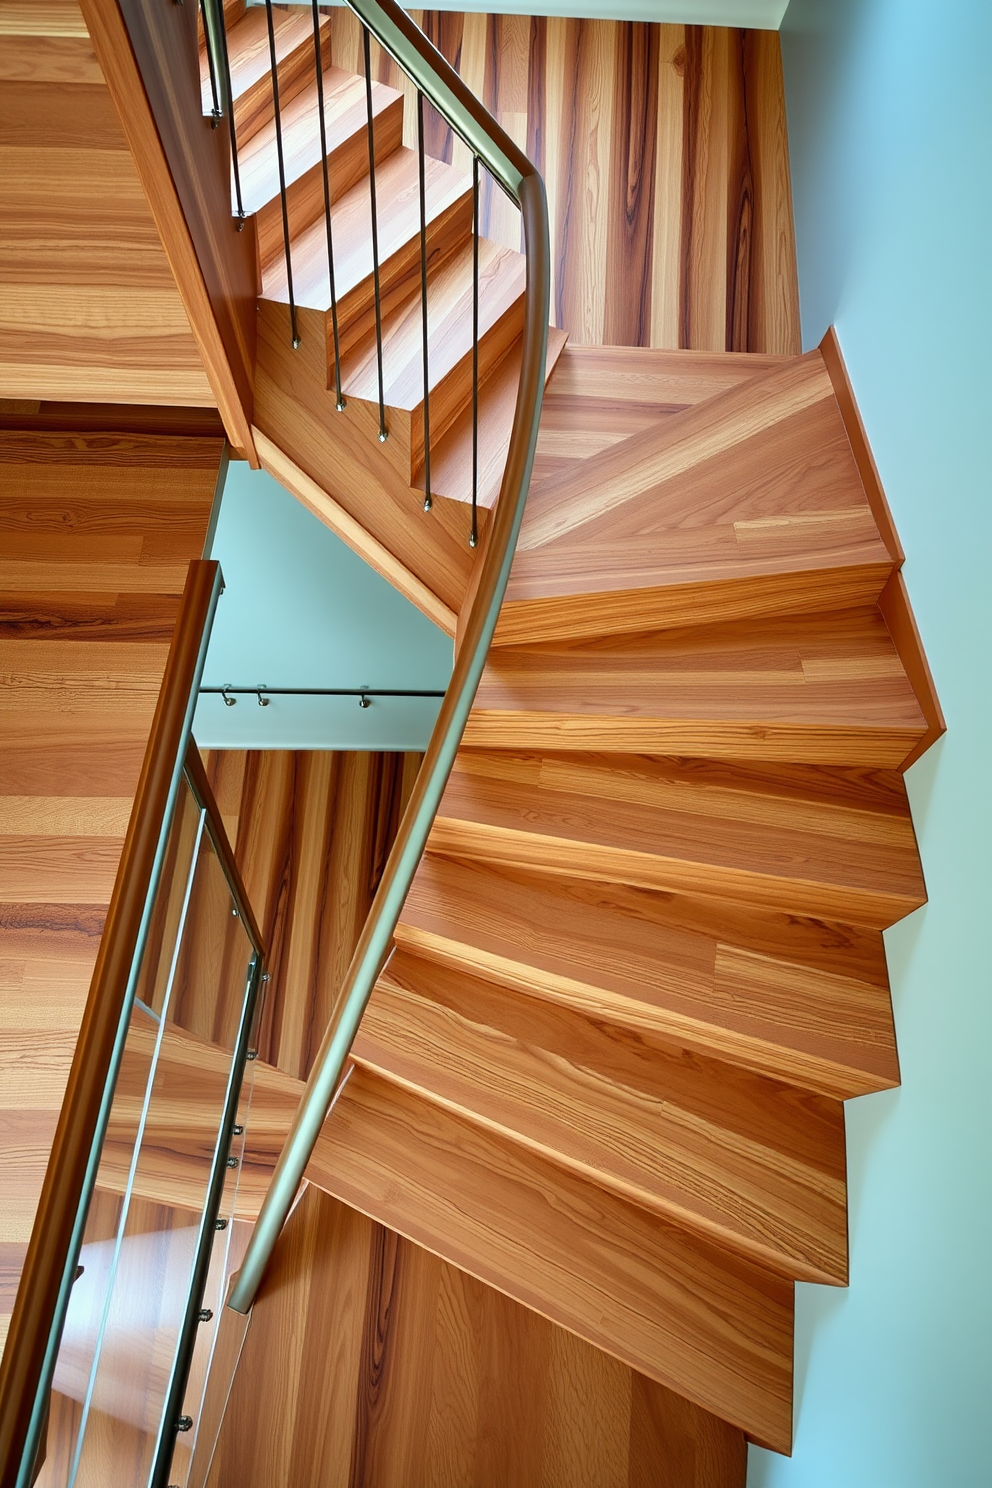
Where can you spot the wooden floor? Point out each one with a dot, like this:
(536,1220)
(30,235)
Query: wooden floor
(370,1363)
(89,308)
(665,157)
(97,531)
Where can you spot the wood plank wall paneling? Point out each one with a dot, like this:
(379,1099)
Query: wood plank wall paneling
(313,830)
(96,532)
(89,305)
(185,169)
(370,1363)
(665,156)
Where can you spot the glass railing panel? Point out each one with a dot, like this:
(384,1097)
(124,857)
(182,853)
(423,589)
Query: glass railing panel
(150,1229)
(89,1298)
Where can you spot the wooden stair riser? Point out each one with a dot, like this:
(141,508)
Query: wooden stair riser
(347,164)
(340,455)
(715,1329)
(406,426)
(720,1160)
(674,606)
(665,966)
(452,456)
(701,832)
(825,689)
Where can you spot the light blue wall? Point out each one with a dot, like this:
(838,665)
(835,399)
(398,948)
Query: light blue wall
(890,128)
(300,609)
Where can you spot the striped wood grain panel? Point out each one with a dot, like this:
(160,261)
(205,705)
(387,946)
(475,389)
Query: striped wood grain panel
(665,156)
(370,1361)
(96,532)
(313,830)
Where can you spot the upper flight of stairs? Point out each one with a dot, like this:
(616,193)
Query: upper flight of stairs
(641,966)
(381,485)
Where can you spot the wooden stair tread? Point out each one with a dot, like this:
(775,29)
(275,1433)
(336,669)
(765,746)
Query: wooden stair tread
(712,1327)
(748,503)
(786,839)
(345,120)
(502,281)
(398,212)
(718,1156)
(674,446)
(601,395)
(762,991)
(817,689)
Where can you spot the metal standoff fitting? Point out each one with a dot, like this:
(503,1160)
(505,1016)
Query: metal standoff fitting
(232,1162)
(204,1315)
(185,1423)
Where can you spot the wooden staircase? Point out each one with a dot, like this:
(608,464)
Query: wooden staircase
(641,966)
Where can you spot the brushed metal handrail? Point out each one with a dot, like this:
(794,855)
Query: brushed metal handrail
(511,169)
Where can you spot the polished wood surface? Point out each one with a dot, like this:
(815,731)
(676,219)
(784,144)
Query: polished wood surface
(665,156)
(149,60)
(90,306)
(97,532)
(807,841)
(715,1328)
(407,1370)
(341,455)
(737,1160)
(746,502)
(686,125)
(701,974)
(181,1124)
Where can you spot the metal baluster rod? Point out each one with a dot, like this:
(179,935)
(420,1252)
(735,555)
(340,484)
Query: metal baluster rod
(282,174)
(215,112)
(428,499)
(383,431)
(228,104)
(339,401)
(474,535)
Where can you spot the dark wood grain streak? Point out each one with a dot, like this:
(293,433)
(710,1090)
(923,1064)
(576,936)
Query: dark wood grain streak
(378,1346)
(369,1361)
(444,28)
(740,202)
(632,177)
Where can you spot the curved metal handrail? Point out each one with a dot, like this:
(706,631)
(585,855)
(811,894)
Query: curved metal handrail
(511,169)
